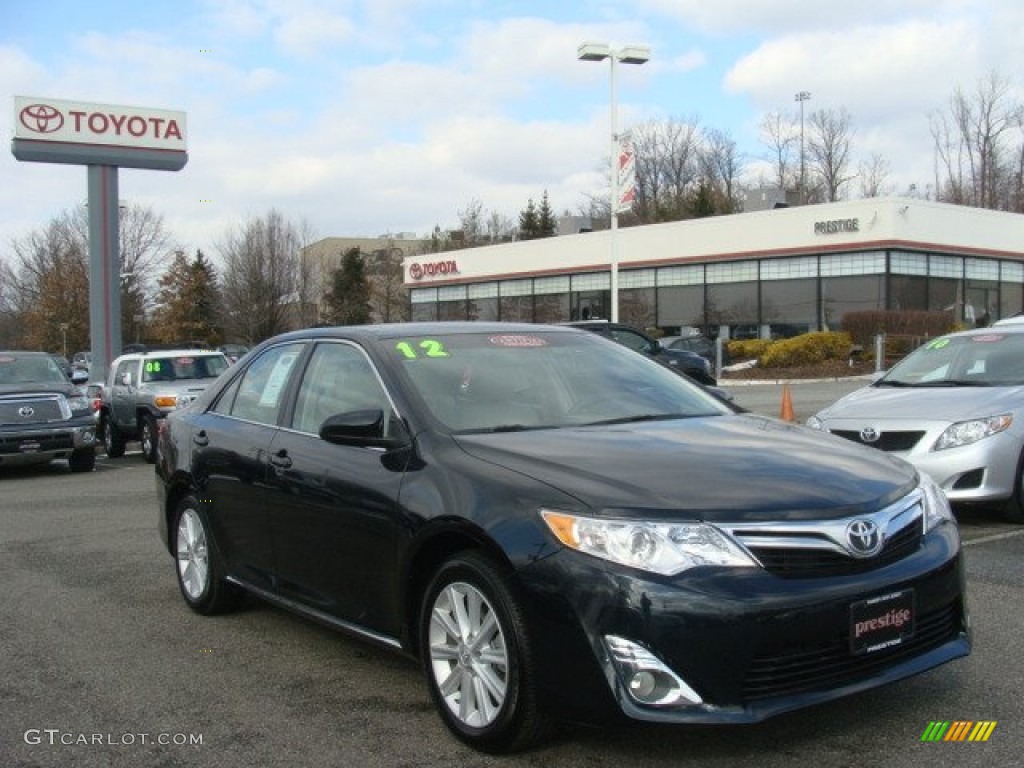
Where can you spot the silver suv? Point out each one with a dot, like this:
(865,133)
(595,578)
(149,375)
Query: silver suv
(143,387)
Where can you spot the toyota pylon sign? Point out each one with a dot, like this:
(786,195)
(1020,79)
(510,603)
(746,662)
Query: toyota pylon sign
(40,119)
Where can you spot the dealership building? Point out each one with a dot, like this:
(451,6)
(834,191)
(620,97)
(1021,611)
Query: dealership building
(761,274)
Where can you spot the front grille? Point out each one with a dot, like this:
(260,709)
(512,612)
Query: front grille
(804,563)
(56,441)
(887,441)
(796,669)
(43,409)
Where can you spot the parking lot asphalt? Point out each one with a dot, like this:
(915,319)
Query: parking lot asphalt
(101,662)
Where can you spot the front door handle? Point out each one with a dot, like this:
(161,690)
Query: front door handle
(281,459)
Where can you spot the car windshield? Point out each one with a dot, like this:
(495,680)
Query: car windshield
(184,367)
(502,381)
(16,369)
(987,359)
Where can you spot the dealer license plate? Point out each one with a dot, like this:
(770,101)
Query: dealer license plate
(881,622)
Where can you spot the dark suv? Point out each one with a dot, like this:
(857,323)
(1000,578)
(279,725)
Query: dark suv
(43,416)
(684,361)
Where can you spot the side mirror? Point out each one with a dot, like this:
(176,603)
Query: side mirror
(126,379)
(363,428)
(78,376)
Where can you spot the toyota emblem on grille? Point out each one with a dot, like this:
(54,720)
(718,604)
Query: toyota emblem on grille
(869,435)
(42,118)
(864,538)
(26,411)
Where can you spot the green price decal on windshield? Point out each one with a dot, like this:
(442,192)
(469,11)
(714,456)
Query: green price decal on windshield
(153,366)
(424,348)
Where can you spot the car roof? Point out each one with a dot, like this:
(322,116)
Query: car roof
(151,353)
(25,353)
(395,330)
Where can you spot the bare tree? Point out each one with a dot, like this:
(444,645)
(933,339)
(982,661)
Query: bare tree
(828,149)
(261,277)
(667,157)
(975,164)
(389,299)
(781,135)
(873,173)
(721,163)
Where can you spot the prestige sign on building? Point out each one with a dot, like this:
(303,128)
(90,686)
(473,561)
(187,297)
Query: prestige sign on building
(55,130)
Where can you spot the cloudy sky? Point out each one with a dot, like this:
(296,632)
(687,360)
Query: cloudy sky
(365,117)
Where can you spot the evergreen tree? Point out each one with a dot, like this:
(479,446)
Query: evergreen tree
(189,302)
(348,302)
(528,222)
(546,224)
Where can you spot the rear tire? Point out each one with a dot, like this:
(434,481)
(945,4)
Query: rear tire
(198,564)
(147,437)
(478,656)
(113,440)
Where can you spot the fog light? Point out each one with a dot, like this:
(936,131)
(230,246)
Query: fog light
(647,679)
(88,436)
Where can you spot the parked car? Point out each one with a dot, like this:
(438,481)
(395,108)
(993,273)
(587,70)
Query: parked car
(955,409)
(82,361)
(233,352)
(143,387)
(693,365)
(700,345)
(43,416)
(556,527)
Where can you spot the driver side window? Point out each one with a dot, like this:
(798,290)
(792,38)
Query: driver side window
(338,379)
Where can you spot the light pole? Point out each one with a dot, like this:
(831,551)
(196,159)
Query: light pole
(802,96)
(630,54)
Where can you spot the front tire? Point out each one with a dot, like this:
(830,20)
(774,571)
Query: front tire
(200,571)
(1013,512)
(478,657)
(113,440)
(83,460)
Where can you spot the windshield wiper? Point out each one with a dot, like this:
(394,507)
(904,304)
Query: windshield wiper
(956,383)
(640,417)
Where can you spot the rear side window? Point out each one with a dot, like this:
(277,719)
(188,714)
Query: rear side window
(259,394)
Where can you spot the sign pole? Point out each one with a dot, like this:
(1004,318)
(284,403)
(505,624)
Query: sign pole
(104,269)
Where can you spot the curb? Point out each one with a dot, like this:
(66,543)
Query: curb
(723,382)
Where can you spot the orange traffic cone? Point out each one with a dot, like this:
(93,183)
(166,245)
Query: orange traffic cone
(786,414)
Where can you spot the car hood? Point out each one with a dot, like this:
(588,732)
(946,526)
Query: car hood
(719,468)
(925,404)
(177,387)
(46,387)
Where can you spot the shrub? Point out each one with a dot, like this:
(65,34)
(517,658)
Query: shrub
(864,325)
(806,349)
(747,349)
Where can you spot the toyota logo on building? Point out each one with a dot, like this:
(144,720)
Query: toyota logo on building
(864,538)
(26,411)
(869,435)
(42,118)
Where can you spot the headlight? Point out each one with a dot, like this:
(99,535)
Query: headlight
(967,432)
(815,423)
(79,403)
(665,548)
(936,505)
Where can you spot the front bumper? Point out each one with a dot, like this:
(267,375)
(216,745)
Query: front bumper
(983,471)
(34,445)
(751,644)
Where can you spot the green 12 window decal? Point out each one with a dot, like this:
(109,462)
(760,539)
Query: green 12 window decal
(426,347)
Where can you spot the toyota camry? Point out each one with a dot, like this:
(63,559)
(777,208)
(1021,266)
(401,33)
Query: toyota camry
(556,528)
